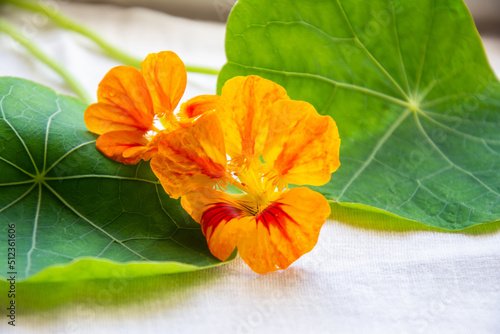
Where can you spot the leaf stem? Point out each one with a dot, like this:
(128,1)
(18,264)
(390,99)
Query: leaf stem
(67,23)
(204,70)
(13,32)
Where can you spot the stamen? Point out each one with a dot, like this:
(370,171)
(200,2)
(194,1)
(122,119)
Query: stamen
(150,134)
(157,125)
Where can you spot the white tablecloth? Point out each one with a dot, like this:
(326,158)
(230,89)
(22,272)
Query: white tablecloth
(357,279)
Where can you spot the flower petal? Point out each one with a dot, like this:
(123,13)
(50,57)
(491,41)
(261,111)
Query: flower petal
(123,103)
(166,78)
(267,241)
(219,218)
(198,106)
(302,146)
(191,157)
(123,146)
(244,114)
(284,231)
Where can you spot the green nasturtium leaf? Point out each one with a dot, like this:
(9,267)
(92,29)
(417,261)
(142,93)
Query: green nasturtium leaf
(409,85)
(78,214)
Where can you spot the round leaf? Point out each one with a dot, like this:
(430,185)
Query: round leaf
(78,214)
(409,85)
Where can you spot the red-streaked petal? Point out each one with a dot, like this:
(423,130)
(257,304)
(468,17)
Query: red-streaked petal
(198,105)
(166,79)
(267,241)
(191,157)
(123,146)
(123,103)
(284,231)
(302,146)
(220,217)
(244,114)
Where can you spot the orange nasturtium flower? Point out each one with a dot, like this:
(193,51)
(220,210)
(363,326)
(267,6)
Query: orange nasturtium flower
(258,140)
(253,137)
(131,103)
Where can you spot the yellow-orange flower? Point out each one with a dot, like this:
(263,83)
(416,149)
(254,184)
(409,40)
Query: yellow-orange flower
(252,138)
(259,141)
(130,102)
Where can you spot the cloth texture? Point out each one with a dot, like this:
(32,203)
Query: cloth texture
(358,279)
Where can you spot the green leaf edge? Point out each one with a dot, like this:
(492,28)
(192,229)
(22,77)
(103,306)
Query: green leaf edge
(87,268)
(368,217)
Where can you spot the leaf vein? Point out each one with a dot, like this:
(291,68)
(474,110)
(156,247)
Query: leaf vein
(35,229)
(375,61)
(47,134)
(420,72)
(163,208)
(17,133)
(92,223)
(99,176)
(329,81)
(18,199)
(377,147)
(464,135)
(396,38)
(17,167)
(445,157)
(68,153)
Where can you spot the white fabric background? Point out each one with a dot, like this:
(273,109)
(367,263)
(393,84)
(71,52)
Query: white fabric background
(357,280)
